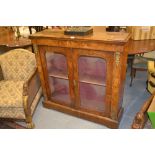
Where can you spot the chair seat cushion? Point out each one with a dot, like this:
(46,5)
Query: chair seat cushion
(11,93)
(11,100)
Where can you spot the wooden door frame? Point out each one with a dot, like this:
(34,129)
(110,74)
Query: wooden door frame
(108,57)
(67,53)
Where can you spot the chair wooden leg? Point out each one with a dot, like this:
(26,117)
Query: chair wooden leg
(134,73)
(131,81)
(29,123)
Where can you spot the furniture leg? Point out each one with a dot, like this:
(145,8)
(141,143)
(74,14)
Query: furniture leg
(133,74)
(29,123)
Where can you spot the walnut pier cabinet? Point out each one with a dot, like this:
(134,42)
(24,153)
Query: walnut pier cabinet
(83,75)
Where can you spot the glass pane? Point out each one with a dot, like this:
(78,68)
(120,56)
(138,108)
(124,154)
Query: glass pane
(56,64)
(60,90)
(92,70)
(92,97)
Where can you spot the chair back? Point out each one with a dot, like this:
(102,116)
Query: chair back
(18,64)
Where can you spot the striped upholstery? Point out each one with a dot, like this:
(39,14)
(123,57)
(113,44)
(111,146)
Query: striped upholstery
(151,70)
(141,32)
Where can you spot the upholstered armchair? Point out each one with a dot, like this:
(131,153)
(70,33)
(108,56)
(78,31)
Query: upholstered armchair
(20,88)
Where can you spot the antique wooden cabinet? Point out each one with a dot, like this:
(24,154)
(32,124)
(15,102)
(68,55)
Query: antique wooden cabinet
(83,75)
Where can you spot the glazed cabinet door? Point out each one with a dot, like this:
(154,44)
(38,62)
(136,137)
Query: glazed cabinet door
(58,73)
(92,80)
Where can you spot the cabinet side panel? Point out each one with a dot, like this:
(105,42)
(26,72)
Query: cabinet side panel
(123,60)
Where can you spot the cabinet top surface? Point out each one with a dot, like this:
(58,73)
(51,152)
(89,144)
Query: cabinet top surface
(115,37)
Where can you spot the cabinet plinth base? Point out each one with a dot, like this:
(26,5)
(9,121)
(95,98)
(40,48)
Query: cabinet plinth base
(110,123)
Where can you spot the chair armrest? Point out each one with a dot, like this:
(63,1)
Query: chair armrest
(34,74)
(31,87)
(1,74)
(27,83)
(141,117)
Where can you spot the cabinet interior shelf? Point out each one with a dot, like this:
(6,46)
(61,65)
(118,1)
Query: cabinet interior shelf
(61,76)
(93,82)
(96,81)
